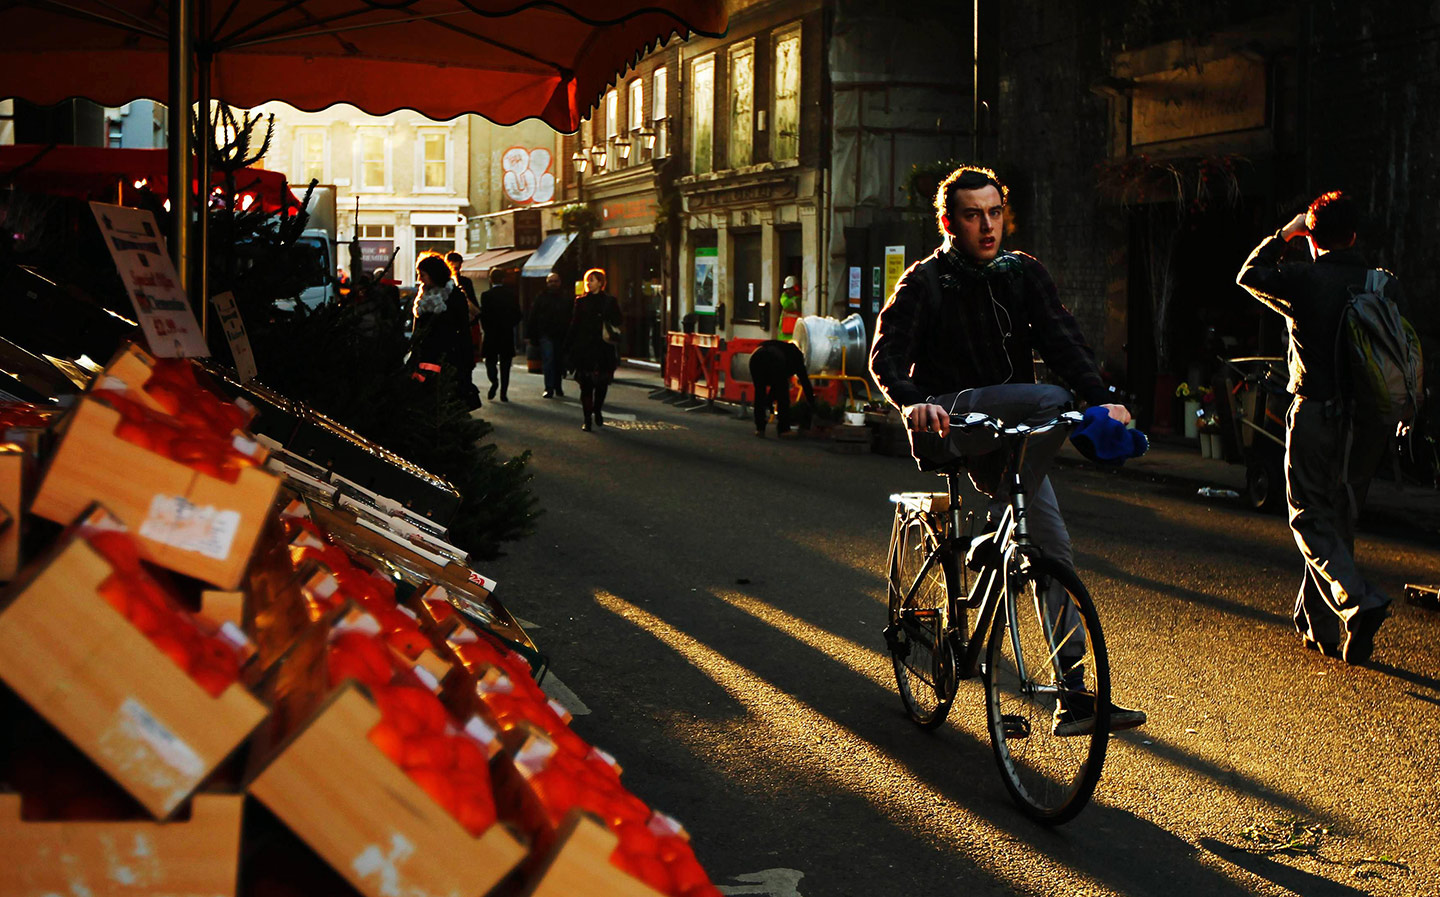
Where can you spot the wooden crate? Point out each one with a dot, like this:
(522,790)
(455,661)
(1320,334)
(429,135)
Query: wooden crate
(132,367)
(367,819)
(123,859)
(222,521)
(580,864)
(113,694)
(12,508)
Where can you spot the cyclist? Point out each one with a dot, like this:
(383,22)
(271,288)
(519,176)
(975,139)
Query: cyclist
(962,324)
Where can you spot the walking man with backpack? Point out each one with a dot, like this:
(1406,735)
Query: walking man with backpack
(1337,309)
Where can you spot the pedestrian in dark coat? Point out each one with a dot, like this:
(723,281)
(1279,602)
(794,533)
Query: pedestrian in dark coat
(440,336)
(1337,611)
(772,365)
(549,322)
(499,313)
(472,302)
(590,349)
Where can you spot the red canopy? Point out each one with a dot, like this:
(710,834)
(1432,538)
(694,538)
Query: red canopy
(504,59)
(91,173)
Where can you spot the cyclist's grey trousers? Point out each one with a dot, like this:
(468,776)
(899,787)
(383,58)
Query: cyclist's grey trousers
(1015,403)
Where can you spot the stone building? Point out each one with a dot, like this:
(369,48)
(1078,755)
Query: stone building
(410,175)
(1152,145)
(752,188)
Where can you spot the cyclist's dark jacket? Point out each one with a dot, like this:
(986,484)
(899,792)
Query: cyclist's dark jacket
(918,354)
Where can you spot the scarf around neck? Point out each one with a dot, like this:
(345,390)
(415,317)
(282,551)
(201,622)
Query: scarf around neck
(434,299)
(1003,264)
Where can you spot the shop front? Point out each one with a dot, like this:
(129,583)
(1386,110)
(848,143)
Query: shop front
(742,237)
(625,246)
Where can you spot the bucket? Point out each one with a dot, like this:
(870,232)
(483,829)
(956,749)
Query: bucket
(825,341)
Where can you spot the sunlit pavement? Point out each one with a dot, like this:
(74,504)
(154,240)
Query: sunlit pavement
(716,600)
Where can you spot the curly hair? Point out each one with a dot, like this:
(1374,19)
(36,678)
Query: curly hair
(434,264)
(966,177)
(1332,220)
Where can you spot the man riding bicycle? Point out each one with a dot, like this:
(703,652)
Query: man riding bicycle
(962,325)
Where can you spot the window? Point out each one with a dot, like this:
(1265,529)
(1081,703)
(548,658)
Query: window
(434,238)
(612,114)
(742,105)
(612,129)
(310,144)
(702,101)
(635,105)
(374,159)
(785,130)
(659,82)
(377,232)
(434,159)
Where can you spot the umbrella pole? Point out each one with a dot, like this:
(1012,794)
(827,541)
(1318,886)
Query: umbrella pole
(206,139)
(181,146)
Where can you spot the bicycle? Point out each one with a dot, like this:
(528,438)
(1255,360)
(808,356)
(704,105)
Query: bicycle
(1038,654)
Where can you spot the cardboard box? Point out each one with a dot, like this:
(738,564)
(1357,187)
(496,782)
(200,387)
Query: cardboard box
(185,520)
(109,689)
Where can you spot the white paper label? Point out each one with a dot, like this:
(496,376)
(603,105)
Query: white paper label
(206,530)
(147,753)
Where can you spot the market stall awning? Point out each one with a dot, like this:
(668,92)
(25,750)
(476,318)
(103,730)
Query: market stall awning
(507,60)
(90,172)
(479,265)
(545,258)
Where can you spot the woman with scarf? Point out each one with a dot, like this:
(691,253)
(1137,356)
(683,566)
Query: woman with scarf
(440,337)
(590,349)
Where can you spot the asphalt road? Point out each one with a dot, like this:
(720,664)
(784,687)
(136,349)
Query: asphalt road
(716,601)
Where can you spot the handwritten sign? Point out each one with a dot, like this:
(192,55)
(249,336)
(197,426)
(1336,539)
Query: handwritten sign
(229,316)
(166,318)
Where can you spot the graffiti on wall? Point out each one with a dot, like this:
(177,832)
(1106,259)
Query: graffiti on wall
(527,175)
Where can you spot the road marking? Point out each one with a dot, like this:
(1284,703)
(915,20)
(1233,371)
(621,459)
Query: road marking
(559,691)
(618,415)
(769,883)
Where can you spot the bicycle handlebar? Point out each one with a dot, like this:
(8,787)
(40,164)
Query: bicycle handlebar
(974,420)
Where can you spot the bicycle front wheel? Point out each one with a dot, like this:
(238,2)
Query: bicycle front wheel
(1047,693)
(919,650)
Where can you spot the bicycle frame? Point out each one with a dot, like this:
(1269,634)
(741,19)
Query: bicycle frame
(992,581)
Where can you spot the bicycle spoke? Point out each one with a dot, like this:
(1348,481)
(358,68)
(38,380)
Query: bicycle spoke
(924,667)
(1034,694)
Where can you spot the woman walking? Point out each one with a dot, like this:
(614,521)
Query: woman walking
(440,337)
(590,349)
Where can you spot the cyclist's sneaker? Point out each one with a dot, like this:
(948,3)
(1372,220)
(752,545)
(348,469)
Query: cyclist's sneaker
(1075,715)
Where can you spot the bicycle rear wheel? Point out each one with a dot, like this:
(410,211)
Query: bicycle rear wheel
(924,664)
(1039,654)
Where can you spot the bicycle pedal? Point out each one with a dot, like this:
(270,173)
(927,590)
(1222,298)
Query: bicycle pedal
(1014,726)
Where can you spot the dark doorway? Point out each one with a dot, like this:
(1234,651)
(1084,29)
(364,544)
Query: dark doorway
(745,275)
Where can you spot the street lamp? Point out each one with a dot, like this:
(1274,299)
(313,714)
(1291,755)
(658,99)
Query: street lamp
(647,137)
(598,155)
(580,161)
(622,146)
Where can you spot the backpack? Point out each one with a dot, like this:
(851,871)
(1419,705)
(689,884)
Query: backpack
(1378,357)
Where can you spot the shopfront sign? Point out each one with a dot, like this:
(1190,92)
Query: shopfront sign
(744,194)
(166,317)
(375,254)
(528,232)
(1223,95)
(631,212)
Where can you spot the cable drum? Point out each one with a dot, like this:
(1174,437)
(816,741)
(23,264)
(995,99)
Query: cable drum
(825,342)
